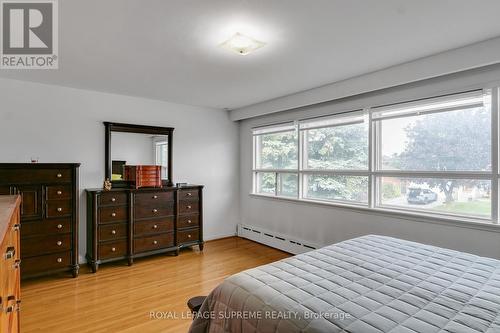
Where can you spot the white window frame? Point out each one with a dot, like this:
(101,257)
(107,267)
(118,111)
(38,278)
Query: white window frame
(374,173)
(272,129)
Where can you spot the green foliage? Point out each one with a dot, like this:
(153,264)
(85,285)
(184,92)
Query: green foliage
(338,187)
(340,148)
(278,151)
(459,140)
(390,191)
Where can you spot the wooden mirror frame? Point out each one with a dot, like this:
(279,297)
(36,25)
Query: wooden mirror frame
(131,128)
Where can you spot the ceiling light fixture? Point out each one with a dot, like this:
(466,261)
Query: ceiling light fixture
(242,44)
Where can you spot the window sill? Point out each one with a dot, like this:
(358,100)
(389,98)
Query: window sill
(410,216)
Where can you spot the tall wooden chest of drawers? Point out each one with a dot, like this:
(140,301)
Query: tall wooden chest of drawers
(130,223)
(49,215)
(10,290)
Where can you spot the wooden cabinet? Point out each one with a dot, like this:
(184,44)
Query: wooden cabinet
(49,214)
(129,223)
(10,291)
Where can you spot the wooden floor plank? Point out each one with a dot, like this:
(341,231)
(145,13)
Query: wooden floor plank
(120,298)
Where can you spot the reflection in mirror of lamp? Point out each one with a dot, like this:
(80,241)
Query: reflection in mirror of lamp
(138,149)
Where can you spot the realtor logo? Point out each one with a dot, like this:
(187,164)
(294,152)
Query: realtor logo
(29,37)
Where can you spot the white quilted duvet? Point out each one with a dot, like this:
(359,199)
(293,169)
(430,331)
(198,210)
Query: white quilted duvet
(363,285)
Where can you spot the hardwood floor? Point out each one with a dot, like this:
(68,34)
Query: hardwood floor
(120,298)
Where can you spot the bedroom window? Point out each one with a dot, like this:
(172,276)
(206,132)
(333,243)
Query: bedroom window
(335,158)
(434,156)
(276,160)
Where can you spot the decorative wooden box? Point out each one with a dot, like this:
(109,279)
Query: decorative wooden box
(143,175)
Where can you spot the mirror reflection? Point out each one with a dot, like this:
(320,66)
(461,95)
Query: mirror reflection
(138,149)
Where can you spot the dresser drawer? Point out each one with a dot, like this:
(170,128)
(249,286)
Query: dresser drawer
(46,262)
(23,176)
(44,245)
(188,221)
(188,236)
(148,227)
(45,227)
(188,207)
(189,194)
(159,209)
(58,192)
(153,242)
(58,208)
(113,249)
(113,198)
(113,214)
(112,231)
(153,198)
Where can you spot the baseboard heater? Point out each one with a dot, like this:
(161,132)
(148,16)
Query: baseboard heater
(273,239)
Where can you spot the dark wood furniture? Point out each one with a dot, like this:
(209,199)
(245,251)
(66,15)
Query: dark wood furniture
(194,304)
(143,175)
(132,128)
(10,287)
(49,214)
(129,223)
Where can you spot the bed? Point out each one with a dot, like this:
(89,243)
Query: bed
(363,285)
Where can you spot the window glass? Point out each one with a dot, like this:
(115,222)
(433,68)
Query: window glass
(458,140)
(288,185)
(466,197)
(338,148)
(340,188)
(277,150)
(266,182)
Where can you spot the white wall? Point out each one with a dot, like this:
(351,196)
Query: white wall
(60,124)
(322,225)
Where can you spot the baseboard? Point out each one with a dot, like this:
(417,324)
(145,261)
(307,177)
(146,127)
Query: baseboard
(215,237)
(279,241)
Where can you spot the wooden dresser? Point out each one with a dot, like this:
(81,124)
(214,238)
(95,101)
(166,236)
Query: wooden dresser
(129,223)
(49,215)
(9,263)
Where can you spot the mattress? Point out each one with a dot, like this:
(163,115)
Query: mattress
(367,284)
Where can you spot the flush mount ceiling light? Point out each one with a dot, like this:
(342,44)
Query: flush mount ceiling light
(242,44)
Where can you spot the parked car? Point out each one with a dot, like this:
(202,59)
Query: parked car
(421,196)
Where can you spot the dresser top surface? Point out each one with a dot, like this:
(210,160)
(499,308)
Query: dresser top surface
(145,189)
(38,165)
(8,204)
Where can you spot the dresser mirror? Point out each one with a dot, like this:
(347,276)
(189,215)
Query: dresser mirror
(129,144)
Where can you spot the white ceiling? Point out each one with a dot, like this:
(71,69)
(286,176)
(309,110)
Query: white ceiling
(168,50)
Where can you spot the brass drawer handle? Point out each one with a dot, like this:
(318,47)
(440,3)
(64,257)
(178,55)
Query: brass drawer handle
(155,197)
(17,264)
(113,214)
(59,226)
(155,226)
(59,175)
(59,243)
(155,242)
(188,207)
(59,192)
(113,199)
(189,221)
(113,232)
(155,210)
(59,209)
(10,253)
(59,260)
(113,249)
(9,309)
(16,227)
(189,236)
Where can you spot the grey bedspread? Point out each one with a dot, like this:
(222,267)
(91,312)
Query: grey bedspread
(363,285)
